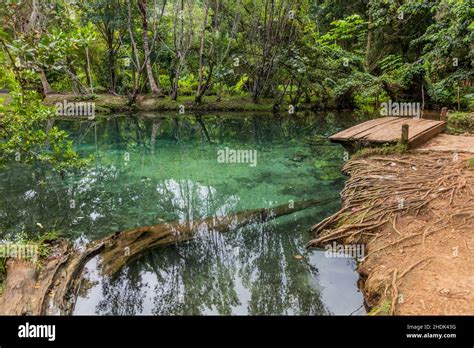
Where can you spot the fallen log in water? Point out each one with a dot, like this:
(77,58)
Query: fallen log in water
(52,287)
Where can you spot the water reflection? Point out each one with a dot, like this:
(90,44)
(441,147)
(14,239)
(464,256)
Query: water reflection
(139,157)
(150,170)
(248,271)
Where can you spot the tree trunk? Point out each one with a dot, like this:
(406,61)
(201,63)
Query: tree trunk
(142,6)
(137,67)
(422,99)
(44,82)
(88,70)
(369,43)
(459,98)
(179,54)
(111,59)
(134,84)
(200,88)
(174,87)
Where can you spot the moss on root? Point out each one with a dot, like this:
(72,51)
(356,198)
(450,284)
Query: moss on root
(382,309)
(43,245)
(397,149)
(470,163)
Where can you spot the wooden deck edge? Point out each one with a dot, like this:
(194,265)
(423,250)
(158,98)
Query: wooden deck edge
(362,140)
(426,135)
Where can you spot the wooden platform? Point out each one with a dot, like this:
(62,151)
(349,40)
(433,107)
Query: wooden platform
(389,130)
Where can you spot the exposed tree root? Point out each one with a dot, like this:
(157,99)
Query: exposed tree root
(435,190)
(379,189)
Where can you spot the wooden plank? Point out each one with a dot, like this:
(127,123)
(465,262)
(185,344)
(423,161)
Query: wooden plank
(361,127)
(421,127)
(384,133)
(423,137)
(393,133)
(388,122)
(389,130)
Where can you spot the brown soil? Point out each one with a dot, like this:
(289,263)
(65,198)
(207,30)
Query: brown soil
(449,143)
(415,214)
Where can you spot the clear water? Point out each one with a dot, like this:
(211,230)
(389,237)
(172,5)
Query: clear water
(154,168)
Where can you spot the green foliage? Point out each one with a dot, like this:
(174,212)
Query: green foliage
(382,309)
(460,123)
(345,54)
(468,99)
(390,63)
(41,243)
(470,163)
(23,122)
(239,86)
(345,31)
(386,149)
(187,85)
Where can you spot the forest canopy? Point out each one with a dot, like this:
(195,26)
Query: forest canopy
(336,54)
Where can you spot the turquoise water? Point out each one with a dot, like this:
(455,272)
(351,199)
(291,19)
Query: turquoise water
(153,168)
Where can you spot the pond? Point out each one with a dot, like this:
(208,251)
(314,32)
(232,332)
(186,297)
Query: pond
(153,168)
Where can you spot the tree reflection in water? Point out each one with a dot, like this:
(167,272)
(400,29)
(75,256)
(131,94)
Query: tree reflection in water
(149,170)
(247,271)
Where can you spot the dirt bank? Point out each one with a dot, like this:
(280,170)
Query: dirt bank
(415,215)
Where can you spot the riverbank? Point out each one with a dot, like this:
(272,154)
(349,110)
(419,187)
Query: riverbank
(414,213)
(108,103)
